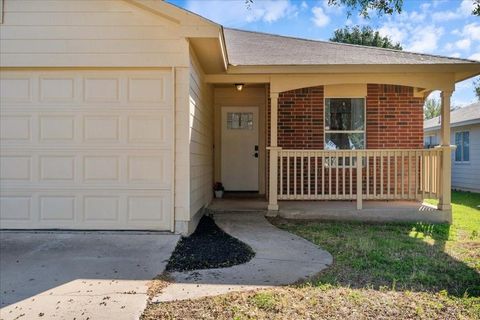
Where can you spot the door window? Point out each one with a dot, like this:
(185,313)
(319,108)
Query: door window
(240,120)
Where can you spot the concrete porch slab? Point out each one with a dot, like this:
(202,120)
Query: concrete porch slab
(238,204)
(373,211)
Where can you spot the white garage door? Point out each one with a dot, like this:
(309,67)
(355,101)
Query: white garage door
(86,149)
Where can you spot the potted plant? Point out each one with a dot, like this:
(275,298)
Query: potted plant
(218,189)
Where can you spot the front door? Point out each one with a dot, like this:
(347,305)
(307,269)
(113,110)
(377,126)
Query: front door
(240,148)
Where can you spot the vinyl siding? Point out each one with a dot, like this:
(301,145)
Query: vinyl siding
(465,175)
(106,33)
(201,138)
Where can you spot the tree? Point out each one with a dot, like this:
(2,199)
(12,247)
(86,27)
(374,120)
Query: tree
(476,88)
(380,6)
(364,36)
(364,6)
(476,8)
(431,109)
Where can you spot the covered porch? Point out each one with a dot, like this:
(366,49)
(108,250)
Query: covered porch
(376,172)
(328,132)
(371,183)
(307,178)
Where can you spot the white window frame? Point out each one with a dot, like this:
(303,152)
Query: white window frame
(364,131)
(328,163)
(461,147)
(1,11)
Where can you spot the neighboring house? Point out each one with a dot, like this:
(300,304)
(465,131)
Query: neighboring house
(121,115)
(465,135)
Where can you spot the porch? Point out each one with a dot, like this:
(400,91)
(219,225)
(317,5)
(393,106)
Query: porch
(385,177)
(342,210)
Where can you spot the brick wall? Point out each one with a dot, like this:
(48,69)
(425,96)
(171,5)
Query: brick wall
(394,118)
(300,118)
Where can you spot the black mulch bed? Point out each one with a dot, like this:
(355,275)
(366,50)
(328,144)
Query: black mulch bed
(208,247)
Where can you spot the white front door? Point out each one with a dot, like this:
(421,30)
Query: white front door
(240,148)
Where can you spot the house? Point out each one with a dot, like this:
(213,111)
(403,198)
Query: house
(465,135)
(121,114)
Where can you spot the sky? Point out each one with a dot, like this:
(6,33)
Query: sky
(441,27)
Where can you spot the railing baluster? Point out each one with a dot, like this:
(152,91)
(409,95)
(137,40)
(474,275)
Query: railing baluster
(343,173)
(416,175)
(322,165)
(367,173)
(388,174)
(302,184)
(351,177)
(280,183)
(316,174)
(403,175)
(374,174)
(309,184)
(295,175)
(337,166)
(381,174)
(330,176)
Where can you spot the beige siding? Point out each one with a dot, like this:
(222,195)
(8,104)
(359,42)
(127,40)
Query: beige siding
(201,138)
(88,33)
(182,153)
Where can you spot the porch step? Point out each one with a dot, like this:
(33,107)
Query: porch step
(238,205)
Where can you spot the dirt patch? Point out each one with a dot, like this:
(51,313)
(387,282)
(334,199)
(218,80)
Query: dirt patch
(208,247)
(157,284)
(317,303)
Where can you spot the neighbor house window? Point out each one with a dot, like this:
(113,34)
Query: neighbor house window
(462,141)
(430,142)
(344,123)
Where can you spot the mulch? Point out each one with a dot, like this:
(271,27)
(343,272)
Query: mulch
(208,247)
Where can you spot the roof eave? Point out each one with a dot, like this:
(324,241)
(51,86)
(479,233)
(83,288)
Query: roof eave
(455,124)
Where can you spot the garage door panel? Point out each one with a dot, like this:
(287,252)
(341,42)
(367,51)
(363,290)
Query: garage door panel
(52,89)
(75,167)
(86,149)
(117,128)
(86,209)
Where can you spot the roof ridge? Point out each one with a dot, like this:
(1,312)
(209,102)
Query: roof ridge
(351,45)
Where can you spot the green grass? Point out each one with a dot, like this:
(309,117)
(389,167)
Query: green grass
(417,257)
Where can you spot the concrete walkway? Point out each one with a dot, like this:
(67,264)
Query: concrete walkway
(79,275)
(281,258)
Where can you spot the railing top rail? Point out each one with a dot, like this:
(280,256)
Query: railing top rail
(362,150)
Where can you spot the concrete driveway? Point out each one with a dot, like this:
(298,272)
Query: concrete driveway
(81,275)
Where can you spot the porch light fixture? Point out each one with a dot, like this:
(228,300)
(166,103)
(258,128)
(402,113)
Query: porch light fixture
(239,86)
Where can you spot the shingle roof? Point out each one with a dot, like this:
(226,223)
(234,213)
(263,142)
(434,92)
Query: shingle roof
(468,114)
(249,48)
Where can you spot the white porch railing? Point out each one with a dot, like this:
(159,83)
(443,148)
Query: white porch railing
(358,174)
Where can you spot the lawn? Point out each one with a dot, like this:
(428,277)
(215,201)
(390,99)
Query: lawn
(390,271)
